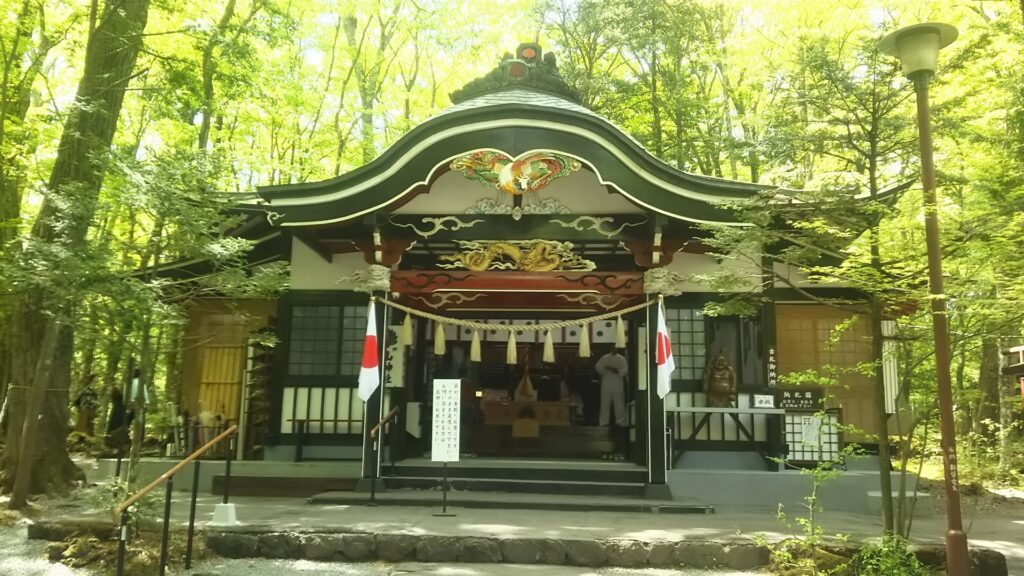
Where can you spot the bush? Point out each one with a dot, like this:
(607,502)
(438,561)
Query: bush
(888,558)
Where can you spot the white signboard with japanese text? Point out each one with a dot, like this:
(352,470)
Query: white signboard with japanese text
(773,368)
(444,445)
(810,430)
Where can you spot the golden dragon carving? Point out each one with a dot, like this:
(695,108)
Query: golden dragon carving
(525,256)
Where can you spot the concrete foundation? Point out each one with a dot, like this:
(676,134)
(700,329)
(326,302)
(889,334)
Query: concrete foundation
(312,452)
(848,492)
(150,468)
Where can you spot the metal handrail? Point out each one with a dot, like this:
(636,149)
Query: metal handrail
(174,470)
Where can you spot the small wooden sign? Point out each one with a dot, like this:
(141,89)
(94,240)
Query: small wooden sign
(763,401)
(444,444)
(790,399)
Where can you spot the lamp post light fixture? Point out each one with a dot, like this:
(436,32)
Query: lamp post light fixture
(917,47)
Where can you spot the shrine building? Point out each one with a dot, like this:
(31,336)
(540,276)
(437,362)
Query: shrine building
(517,208)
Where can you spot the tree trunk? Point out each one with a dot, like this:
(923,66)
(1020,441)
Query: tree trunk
(882,418)
(143,371)
(656,136)
(986,412)
(37,397)
(172,365)
(367,96)
(63,222)
(20,66)
(113,373)
(965,422)
(15,91)
(209,67)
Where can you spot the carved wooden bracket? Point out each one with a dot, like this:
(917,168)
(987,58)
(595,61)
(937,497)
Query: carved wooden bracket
(388,251)
(644,253)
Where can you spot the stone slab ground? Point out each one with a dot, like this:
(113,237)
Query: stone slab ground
(288,528)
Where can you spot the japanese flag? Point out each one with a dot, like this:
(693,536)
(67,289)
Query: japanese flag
(369,374)
(666,365)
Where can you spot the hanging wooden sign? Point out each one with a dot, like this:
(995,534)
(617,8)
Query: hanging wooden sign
(790,399)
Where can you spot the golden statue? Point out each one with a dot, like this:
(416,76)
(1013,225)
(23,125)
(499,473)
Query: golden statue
(720,382)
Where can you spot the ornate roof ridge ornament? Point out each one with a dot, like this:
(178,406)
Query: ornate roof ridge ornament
(373,278)
(529,68)
(445,223)
(493,206)
(596,223)
(663,281)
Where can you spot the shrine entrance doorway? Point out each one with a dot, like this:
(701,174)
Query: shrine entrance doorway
(516,400)
(539,409)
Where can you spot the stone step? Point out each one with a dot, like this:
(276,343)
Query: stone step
(402,547)
(570,502)
(569,471)
(519,486)
(342,543)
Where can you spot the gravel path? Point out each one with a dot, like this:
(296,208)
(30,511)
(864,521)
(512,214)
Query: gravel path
(20,556)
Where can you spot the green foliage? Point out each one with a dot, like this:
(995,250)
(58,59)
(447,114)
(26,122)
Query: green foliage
(806,551)
(791,95)
(107,496)
(891,556)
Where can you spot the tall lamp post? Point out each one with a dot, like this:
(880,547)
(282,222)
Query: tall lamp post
(918,47)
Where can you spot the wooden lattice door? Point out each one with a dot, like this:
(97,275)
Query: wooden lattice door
(221,380)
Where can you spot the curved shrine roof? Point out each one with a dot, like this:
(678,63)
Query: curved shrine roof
(521,107)
(514,121)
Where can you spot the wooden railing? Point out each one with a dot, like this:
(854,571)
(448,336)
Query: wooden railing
(174,470)
(121,511)
(376,429)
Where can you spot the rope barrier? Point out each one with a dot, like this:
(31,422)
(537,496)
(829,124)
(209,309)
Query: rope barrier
(514,327)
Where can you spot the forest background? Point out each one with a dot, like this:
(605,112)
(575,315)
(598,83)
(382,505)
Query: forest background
(127,127)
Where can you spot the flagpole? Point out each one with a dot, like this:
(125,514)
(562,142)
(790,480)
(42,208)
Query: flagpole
(664,414)
(369,383)
(651,348)
(383,385)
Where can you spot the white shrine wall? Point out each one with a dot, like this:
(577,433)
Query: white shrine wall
(693,265)
(311,272)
